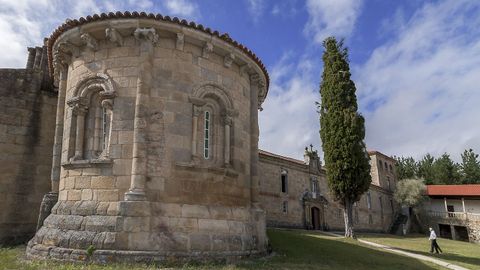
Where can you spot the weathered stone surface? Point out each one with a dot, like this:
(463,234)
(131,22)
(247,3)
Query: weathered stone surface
(137,181)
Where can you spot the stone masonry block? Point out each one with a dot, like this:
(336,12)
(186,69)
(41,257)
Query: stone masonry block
(103,182)
(196,211)
(213,225)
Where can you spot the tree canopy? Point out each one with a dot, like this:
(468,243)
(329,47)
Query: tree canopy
(342,131)
(441,170)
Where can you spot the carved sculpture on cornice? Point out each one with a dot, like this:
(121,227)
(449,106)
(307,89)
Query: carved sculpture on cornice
(180,41)
(114,36)
(228,60)
(207,49)
(146,34)
(89,41)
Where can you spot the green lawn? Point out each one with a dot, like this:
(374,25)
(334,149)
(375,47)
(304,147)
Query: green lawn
(292,250)
(456,252)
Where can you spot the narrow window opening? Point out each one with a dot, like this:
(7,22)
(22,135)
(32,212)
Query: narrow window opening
(284,183)
(285,207)
(207,135)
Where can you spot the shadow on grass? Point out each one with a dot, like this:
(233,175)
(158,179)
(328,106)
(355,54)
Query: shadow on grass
(446,256)
(304,250)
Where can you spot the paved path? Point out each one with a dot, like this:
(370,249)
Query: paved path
(405,253)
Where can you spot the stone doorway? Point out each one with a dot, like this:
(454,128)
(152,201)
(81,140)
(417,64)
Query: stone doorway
(316,224)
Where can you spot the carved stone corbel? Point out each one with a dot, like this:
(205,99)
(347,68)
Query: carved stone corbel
(228,60)
(245,69)
(114,36)
(89,41)
(180,41)
(207,49)
(146,34)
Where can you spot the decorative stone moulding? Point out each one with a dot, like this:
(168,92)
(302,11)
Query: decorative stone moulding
(158,148)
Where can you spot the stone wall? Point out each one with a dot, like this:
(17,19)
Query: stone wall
(376,215)
(27,123)
(135,174)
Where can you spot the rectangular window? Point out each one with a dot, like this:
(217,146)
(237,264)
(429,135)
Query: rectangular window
(370,219)
(285,207)
(315,188)
(391,205)
(388,183)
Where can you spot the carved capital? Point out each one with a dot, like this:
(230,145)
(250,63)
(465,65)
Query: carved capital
(197,101)
(79,109)
(107,94)
(227,120)
(228,60)
(180,41)
(197,110)
(89,41)
(146,34)
(207,49)
(114,36)
(107,104)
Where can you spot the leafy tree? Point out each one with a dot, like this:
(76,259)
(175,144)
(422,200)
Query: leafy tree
(410,192)
(406,167)
(470,167)
(426,169)
(342,130)
(446,171)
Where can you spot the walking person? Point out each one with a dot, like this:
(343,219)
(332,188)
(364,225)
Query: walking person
(433,242)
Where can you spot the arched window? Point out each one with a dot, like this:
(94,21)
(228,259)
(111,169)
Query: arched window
(206,134)
(92,105)
(212,122)
(380,164)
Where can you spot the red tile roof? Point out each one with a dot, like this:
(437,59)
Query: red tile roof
(69,24)
(453,190)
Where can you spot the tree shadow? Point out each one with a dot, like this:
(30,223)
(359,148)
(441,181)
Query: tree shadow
(305,250)
(446,256)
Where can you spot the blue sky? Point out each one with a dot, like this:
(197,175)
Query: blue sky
(416,63)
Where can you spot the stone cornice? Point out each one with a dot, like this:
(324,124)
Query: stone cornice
(71,24)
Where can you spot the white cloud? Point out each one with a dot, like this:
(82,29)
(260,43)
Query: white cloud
(256,8)
(183,8)
(331,18)
(289,121)
(421,91)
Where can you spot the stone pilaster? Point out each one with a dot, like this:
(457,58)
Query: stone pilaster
(147,37)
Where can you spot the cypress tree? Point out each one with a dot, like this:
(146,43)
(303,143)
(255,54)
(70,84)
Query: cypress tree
(342,131)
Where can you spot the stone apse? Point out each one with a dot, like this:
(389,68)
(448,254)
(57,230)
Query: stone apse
(156,142)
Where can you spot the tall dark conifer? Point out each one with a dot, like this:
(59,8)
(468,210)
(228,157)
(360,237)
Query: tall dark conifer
(342,130)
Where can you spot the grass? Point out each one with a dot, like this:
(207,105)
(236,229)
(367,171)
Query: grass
(461,253)
(292,250)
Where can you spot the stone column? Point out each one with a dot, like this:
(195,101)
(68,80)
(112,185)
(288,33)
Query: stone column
(227,121)
(57,145)
(38,57)
(254,131)
(196,112)
(146,39)
(107,104)
(51,197)
(79,110)
(31,58)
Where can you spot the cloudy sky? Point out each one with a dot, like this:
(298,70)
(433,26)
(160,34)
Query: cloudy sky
(416,64)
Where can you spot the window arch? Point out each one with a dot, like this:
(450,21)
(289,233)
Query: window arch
(91,118)
(212,120)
